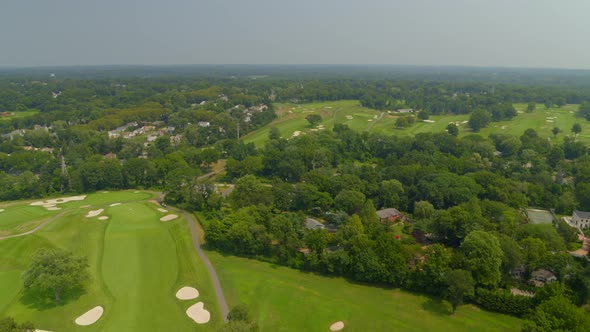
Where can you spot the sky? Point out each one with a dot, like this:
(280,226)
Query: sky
(499,33)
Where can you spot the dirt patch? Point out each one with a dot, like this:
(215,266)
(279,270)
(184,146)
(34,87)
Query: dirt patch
(337,326)
(94,213)
(90,317)
(187,293)
(198,313)
(169,217)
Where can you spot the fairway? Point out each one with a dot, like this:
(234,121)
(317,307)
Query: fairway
(291,119)
(283,299)
(137,264)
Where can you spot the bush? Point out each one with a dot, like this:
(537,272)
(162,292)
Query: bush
(501,300)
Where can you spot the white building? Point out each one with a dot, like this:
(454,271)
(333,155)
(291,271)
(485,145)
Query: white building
(580,219)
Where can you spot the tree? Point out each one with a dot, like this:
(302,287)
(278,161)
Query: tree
(555,131)
(8,324)
(55,271)
(576,129)
(239,320)
(401,122)
(423,115)
(452,129)
(557,314)
(479,119)
(460,284)
(531,107)
(274,133)
(314,119)
(350,201)
(483,256)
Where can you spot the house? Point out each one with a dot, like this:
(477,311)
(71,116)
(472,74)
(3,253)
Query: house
(313,224)
(390,215)
(152,138)
(580,219)
(541,277)
(110,155)
(518,272)
(405,110)
(203,124)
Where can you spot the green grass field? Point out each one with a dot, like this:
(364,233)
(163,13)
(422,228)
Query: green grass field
(137,264)
(283,299)
(17,115)
(291,118)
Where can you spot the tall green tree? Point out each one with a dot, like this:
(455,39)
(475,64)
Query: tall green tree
(54,271)
(460,284)
(479,119)
(483,257)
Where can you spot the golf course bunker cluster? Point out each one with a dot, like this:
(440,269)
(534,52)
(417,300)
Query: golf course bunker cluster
(169,217)
(51,204)
(197,311)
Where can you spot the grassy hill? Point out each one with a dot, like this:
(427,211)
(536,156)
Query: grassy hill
(283,299)
(291,119)
(136,261)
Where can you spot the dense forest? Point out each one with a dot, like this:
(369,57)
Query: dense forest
(461,234)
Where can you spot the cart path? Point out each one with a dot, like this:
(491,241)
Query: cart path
(36,228)
(212,274)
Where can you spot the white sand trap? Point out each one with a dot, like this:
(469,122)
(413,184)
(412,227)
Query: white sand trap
(370,120)
(162,210)
(197,313)
(187,293)
(168,217)
(431,121)
(50,203)
(2,210)
(296,133)
(339,325)
(103,218)
(549,120)
(90,317)
(94,213)
(114,204)
(84,206)
(40,330)
(53,209)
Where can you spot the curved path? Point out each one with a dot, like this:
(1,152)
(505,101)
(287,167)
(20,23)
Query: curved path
(36,228)
(212,274)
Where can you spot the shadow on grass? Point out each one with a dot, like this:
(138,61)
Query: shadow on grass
(39,300)
(437,307)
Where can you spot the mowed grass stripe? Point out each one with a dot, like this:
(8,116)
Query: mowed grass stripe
(283,299)
(140,270)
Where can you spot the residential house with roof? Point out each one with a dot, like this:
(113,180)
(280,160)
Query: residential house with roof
(313,224)
(390,215)
(541,277)
(580,219)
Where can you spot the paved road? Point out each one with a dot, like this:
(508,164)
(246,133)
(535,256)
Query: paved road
(212,274)
(36,228)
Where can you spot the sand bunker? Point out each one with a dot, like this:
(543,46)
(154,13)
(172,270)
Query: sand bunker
(197,313)
(296,133)
(187,293)
(94,213)
(40,331)
(337,326)
(103,218)
(84,206)
(2,210)
(114,204)
(162,210)
(428,121)
(168,217)
(90,317)
(51,203)
(53,209)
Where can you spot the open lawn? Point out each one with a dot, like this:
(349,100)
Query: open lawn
(16,115)
(291,118)
(137,264)
(283,299)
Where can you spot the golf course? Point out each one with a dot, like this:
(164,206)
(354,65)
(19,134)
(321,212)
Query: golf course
(137,264)
(291,121)
(283,299)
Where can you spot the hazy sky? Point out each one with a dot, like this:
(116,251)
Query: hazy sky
(523,33)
